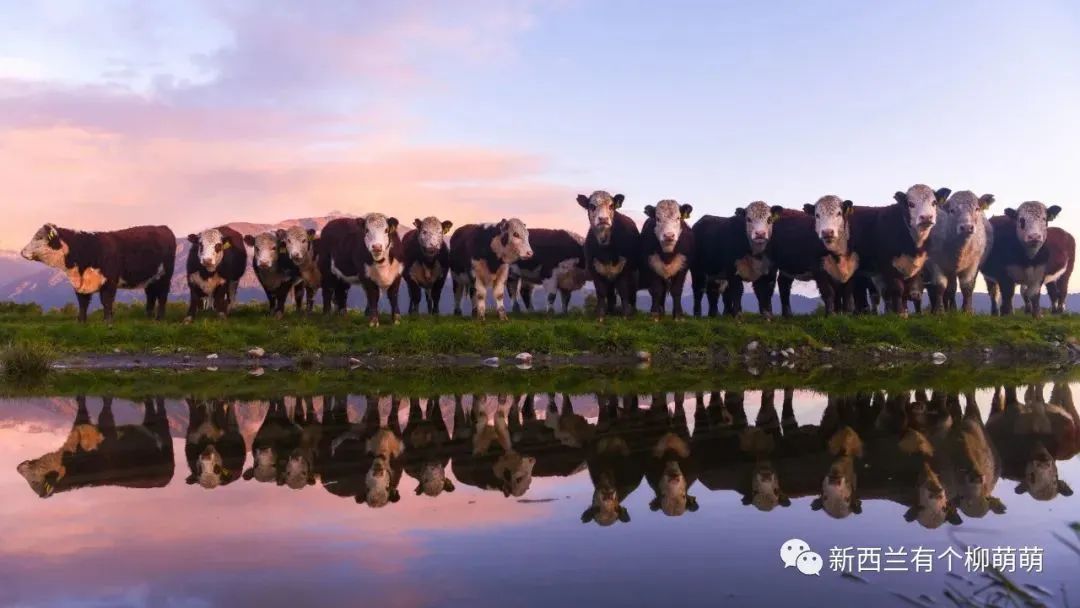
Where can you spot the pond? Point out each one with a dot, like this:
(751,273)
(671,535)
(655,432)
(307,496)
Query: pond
(897,497)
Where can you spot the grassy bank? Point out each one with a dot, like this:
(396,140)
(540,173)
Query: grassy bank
(560,335)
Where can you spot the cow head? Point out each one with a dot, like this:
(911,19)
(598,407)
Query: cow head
(511,242)
(1031,219)
(765,493)
(831,214)
(299,245)
(669,216)
(209,469)
(433,480)
(606,507)
(264,468)
(1041,479)
(47,247)
(920,205)
(267,246)
(210,246)
(430,234)
(299,471)
(601,207)
(932,508)
(671,492)
(838,491)
(379,487)
(759,218)
(376,228)
(975,484)
(965,212)
(515,473)
(43,474)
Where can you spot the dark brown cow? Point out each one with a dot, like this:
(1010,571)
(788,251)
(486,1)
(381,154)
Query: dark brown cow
(427,261)
(277,437)
(667,252)
(1027,253)
(796,252)
(214,448)
(215,264)
(480,259)
(614,468)
(104,454)
(301,246)
(427,448)
(557,264)
(366,251)
(102,262)
(713,236)
(611,252)
(732,250)
(338,274)
(275,270)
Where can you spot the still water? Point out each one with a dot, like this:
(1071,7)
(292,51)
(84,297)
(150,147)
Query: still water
(540,500)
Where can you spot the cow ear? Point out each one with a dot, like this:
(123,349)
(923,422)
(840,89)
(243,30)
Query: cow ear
(190,479)
(392,223)
(448,486)
(583,201)
(900,197)
(996,505)
(952,516)
(809,209)
(193,238)
(501,225)
(1064,489)
(785,501)
(817,505)
(740,212)
(1010,213)
(942,195)
(416,223)
(50,231)
(249,240)
(618,198)
(848,207)
(911,513)
(395,495)
(280,233)
(685,211)
(747,499)
(624,515)
(856,506)
(360,222)
(248,474)
(419,489)
(654,504)
(1020,488)
(776,211)
(446,226)
(650,212)
(691,504)
(1052,212)
(588,515)
(985,201)
(311,234)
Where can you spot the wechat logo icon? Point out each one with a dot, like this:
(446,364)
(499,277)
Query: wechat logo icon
(796,552)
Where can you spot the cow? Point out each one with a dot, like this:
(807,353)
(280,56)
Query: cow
(667,252)
(614,468)
(839,489)
(214,448)
(338,237)
(557,442)
(796,251)
(732,250)
(426,259)
(892,241)
(670,469)
(277,437)
(960,242)
(302,463)
(611,253)
(480,259)
(215,263)
(301,246)
(364,251)
(105,454)
(1033,435)
(275,270)
(557,264)
(427,445)
(484,456)
(708,274)
(102,262)
(1028,254)
(838,259)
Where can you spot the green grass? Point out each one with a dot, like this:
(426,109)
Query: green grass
(26,361)
(538,334)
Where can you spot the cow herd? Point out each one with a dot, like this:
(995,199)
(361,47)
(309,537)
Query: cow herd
(858,256)
(932,453)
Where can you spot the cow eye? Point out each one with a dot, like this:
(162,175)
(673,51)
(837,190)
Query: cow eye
(911,204)
(217,247)
(1022,223)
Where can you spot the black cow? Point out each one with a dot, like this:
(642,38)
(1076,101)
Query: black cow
(277,273)
(427,261)
(215,263)
(667,253)
(615,461)
(277,437)
(611,253)
(427,448)
(557,264)
(102,262)
(214,448)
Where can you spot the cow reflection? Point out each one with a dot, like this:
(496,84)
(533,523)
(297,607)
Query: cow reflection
(214,447)
(484,456)
(669,468)
(970,465)
(277,437)
(614,459)
(1033,435)
(104,454)
(556,443)
(301,465)
(427,445)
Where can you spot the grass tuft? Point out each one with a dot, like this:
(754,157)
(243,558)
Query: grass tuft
(26,361)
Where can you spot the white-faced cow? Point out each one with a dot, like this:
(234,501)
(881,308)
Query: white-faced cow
(427,448)
(215,263)
(427,261)
(960,242)
(1028,254)
(480,259)
(102,262)
(745,256)
(611,252)
(106,454)
(796,252)
(614,468)
(833,226)
(839,489)
(484,456)
(557,264)
(1033,435)
(366,251)
(277,437)
(667,252)
(214,448)
(301,246)
(276,272)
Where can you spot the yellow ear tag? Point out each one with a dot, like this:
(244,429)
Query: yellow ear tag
(226,245)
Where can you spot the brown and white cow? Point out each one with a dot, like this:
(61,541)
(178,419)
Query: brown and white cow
(839,489)
(427,261)
(1028,254)
(557,264)
(611,252)
(427,448)
(1033,435)
(301,245)
(102,262)
(746,256)
(106,454)
(484,455)
(364,251)
(277,437)
(667,252)
(215,263)
(275,271)
(214,448)
(480,259)
(615,467)
(960,242)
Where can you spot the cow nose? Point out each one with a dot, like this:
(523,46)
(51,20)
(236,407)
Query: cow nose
(828,234)
(926,219)
(296,257)
(527,254)
(669,236)
(1034,239)
(376,248)
(759,236)
(603,221)
(968,228)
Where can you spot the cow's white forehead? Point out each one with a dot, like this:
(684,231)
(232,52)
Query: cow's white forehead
(829,203)
(296,233)
(211,237)
(431,224)
(668,210)
(963,199)
(1032,210)
(375,222)
(515,225)
(265,240)
(758,210)
(920,193)
(601,197)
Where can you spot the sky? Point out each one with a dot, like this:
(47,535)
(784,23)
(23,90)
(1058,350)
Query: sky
(192,114)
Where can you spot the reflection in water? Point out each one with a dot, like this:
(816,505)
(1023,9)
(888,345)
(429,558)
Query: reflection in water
(929,451)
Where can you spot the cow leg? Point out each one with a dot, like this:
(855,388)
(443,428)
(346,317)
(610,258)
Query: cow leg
(657,291)
(763,290)
(1008,292)
(84,304)
(106,420)
(1062,285)
(676,290)
(513,287)
(371,304)
(395,306)
(950,293)
(162,299)
(697,289)
(327,296)
(966,283)
(526,291)
(498,291)
(414,297)
(221,301)
(565,293)
(341,298)
(894,297)
(733,298)
(107,295)
(151,300)
(195,303)
(994,291)
(459,293)
(784,282)
(479,299)
(825,288)
(1030,293)
(712,294)
(936,292)
(603,294)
